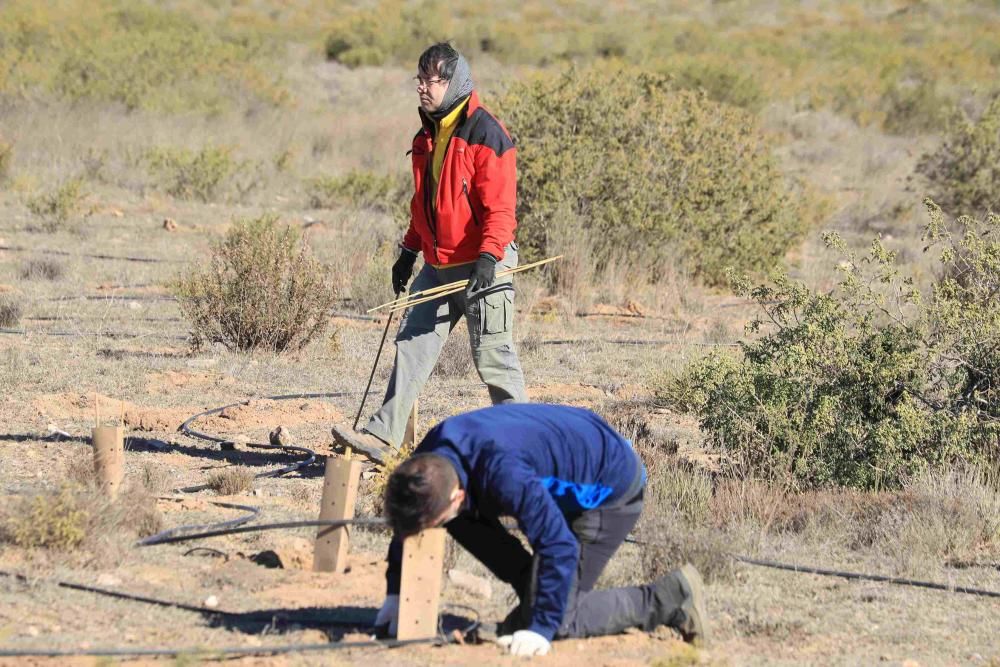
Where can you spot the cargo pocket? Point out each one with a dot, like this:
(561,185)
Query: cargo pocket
(497,312)
(496,319)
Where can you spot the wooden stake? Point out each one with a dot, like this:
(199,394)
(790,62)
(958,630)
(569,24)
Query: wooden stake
(451,288)
(410,434)
(109,457)
(340,491)
(420,586)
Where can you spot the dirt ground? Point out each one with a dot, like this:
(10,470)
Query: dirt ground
(108,332)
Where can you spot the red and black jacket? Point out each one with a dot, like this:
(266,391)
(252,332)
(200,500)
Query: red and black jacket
(476,193)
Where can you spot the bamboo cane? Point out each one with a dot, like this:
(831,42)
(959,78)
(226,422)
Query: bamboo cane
(451,288)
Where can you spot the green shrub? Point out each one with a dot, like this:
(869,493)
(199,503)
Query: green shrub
(720,81)
(678,173)
(363,189)
(388,31)
(867,384)
(262,290)
(964,173)
(57,521)
(192,175)
(56,207)
(135,54)
(915,109)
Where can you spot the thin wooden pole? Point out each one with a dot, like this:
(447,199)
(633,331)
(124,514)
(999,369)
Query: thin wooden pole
(450,288)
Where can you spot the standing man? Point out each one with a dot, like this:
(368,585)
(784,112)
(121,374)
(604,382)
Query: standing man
(575,487)
(462,220)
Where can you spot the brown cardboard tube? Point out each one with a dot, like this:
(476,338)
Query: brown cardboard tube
(340,491)
(109,457)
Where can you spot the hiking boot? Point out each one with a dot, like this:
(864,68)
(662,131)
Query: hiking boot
(361,441)
(680,596)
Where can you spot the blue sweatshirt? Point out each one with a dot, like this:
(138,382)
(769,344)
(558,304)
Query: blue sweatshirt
(539,464)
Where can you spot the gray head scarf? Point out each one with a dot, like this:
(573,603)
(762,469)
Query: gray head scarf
(459,88)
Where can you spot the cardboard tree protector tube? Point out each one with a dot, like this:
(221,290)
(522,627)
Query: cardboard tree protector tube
(340,491)
(109,458)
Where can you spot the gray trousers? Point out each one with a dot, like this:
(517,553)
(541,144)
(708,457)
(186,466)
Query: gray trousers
(589,612)
(599,533)
(424,329)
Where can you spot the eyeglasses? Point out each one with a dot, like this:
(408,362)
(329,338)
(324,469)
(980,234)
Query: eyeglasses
(421,82)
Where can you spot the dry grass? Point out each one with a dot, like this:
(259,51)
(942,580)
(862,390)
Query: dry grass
(77,524)
(763,617)
(232,481)
(10,311)
(42,269)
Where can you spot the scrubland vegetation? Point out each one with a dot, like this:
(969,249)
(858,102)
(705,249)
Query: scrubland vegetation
(780,275)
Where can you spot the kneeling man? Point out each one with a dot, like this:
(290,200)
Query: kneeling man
(574,486)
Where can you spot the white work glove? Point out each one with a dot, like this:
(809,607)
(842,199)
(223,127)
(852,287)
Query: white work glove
(525,643)
(387,620)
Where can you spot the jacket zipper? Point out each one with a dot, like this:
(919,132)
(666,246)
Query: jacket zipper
(428,206)
(465,190)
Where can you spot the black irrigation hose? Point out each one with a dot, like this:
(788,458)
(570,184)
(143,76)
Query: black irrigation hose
(114,335)
(859,576)
(268,616)
(900,581)
(63,253)
(172,538)
(174,534)
(204,653)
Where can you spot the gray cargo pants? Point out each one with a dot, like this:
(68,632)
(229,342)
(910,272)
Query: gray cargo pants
(589,612)
(426,326)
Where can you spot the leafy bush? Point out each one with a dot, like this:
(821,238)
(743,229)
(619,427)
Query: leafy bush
(10,311)
(79,519)
(135,54)
(915,109)
(363,189)
(721,82)
(50,521)
(192,175)
(57,206)
(964,173)
(262,290)
(679,173)
(869,383)
(389,30)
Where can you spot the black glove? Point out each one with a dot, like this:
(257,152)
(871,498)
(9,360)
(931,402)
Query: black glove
(402,270)
(483,274)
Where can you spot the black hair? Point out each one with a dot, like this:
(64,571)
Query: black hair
(439,59)
(418,491)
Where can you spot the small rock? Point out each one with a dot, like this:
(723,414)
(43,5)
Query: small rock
(134,305)
(280,437)
(106,579)
(33,631)
(211,602)
(170,224)
(467,581)
(116,213)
